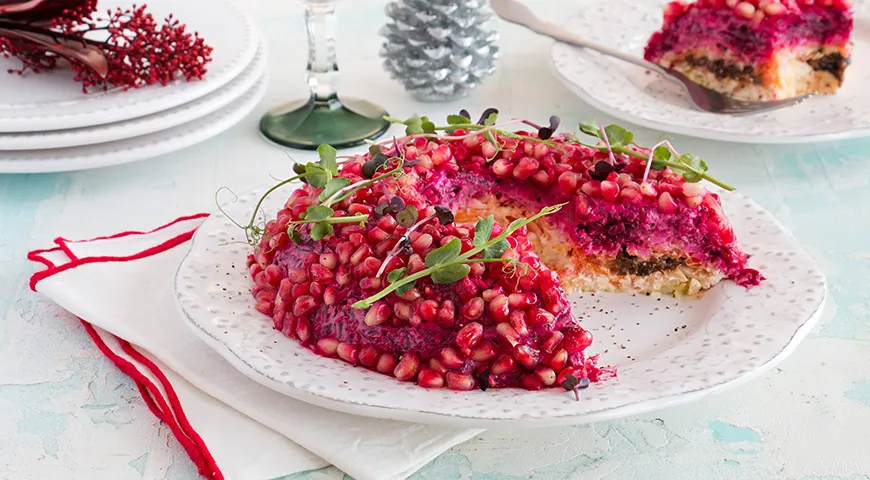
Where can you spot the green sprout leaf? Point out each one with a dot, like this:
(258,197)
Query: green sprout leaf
(450,273)
(618,136)
(405,288)
(483,230)
(427,125)
(295,236)
(444,254)
(320,230)
(590,128)
(316,176)
(328,158)
(458,120)
(662,152)
(496,250)
(490,120)
(332,187)
(396,274)
(414,126)
(318,212)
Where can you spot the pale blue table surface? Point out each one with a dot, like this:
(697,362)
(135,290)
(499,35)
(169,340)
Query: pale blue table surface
(67,413)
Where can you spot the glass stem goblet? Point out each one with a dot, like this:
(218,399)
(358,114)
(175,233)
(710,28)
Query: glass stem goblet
(323,118)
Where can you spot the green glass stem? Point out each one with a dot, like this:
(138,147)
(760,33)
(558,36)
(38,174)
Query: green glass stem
(323,118)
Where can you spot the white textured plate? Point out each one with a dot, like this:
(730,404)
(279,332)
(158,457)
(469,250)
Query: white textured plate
(134,149)
(635,95)
(54,101)
(136,127)
(667,351)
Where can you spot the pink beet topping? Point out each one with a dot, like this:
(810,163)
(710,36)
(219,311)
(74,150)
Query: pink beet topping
(722,29)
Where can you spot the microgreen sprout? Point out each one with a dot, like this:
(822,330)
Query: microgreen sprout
(572,383)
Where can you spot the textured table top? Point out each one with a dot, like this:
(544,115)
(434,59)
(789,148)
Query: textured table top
(67,412)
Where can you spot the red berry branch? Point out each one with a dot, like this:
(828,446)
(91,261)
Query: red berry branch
(124,48)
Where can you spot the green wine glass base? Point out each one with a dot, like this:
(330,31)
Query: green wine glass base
(340,123)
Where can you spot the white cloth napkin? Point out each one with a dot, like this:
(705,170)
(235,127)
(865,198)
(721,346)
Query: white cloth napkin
(122,285)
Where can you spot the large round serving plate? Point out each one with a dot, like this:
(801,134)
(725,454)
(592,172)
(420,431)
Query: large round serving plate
(636,95)
(666,351)
(135,149)
(54,101)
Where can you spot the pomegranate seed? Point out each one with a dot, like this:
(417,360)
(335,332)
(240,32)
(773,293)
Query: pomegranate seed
(508,333)
(300,289)
(368,268)
(357,239)
(609,190)
(319,273)
(525,168)
(577,340)
(387,223)
(344,251)
(386,364)
(504,364)
(466,288)
(289,326)
(568,182)
(361,253)
(304,305)
(592,188)
(316,290)
(473,308)
(446,314)
(402,310)
(545,375)
(370,283)
(527,356)
(552,341)
(441,155)
(693,189)
(530,382)
(422,243)
(410,295)
(273,275)
(630,195)
(303,330)
(484,352)
(477,269)
(415,264)
(502,168)
(498,309)
(278,320)
(694,202)
(266,294)
(518,321)
(356,208)
(667,203)
(522,300)
(343,275)
(542,178)
(296,275)
(648,190)
(488,150)
(330,296)
(327,346)
(376,235)
(558,359)
(428,309)
(377,314)
(541,150)
(368,356)
(349,353)
(538,317)
(265,308)
(459,381)
(489,295)
(430,379)
(451,359)
(406,370)
(436,365)
(469,335)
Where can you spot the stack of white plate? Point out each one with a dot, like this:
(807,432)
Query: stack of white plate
(48,125)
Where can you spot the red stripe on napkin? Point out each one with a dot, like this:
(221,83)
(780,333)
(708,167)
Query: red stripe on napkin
(168,409)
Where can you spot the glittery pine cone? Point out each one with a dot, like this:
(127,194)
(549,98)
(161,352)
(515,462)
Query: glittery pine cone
(439,49)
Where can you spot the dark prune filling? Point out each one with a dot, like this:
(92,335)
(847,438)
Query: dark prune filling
(626,264)
(722,69)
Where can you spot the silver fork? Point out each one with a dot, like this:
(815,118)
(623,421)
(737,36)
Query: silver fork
(703,97)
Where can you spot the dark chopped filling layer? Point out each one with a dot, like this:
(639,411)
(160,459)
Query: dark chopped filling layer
(626,264)
(834,63)
(722,69)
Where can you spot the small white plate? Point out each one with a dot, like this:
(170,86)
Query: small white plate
(635,95)
(667,351)
(134,149)
(143,125)
(54,101)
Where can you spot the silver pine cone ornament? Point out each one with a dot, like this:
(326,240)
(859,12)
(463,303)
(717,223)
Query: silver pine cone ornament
(439,49)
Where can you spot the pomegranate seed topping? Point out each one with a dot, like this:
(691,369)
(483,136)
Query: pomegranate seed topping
(508,333)
(415,264)
(296,275)
(466,289)
(609,190)
(477,269)
(504,364)
(667,203)
(406,370)
(484,352)
(558,359)
(518,321)
(545,375)
(577,340)
(592,188)
(441,155)
(693,189)
(386,364)
(376,235)
(327,346)
(289,326)
(304,305)
(648,190)
(542,178)
(541,150)
(329,260)
(489,295)
(387,223)
(552,341)
(368,268)
(319,273)
(273,275)
(402,310)
(265,308)
(356,208)
(344,251)
(522,300)
(530,382)
(554,301)
(630,195)
(498,309)
(303,330)
(469,335)
(377,314)
(527,356)
(502,167)
(422,243)
(451,359)
(436,365)
(459,381)
(430,379)
(330,296)
(343,275)
(694,202)
(361,253)
(473,308)
(349,353)
(410,295)
(447,314)
(488,150)
(368,356)
(428,309)
(526,168)
(266,294)
(370,283)
(300,289)
(568,182)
